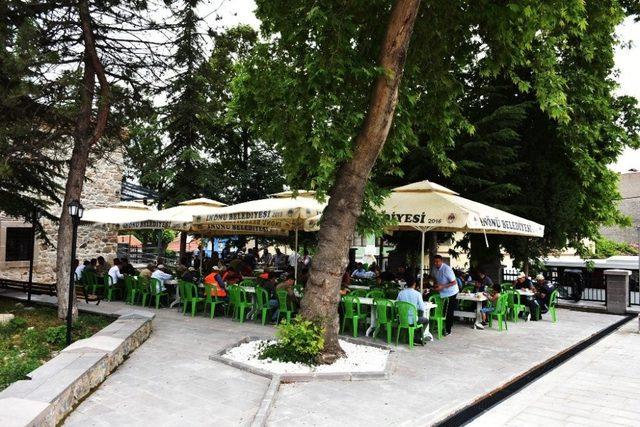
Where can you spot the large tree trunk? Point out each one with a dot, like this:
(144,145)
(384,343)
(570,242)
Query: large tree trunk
(339,218)
(84,139)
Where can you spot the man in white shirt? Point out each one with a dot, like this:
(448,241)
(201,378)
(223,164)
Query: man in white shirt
(114,272)
(361,273)
(294,258)
(161,275)
(79,268)
(411,295)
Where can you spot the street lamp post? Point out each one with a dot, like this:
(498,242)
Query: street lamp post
(35,216)
(75,211)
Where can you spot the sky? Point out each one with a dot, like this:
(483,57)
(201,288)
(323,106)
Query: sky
(233,12)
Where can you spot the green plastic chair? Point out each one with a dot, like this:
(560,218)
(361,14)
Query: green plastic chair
(91,281)
(247,282)
(553,301)
(515,305)
(500,312)
(211,300)
(238,297)
(129,288)
(285,305)
(142,289)
(437,315)
(361,293)
(154,291)
(110,287)
(507,286)
(190,296)
(375,294)
(352,311)
(385,317)
(404,310)
(262,303)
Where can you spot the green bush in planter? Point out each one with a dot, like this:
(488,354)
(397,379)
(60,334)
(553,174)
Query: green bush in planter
(299,341)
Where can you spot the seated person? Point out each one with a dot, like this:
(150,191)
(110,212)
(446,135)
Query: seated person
(215,279)
(484,283)
(115,272)
(346,280)
(411,295)
(231,276)
(492,295)
(77,268)
(190,275)
(162,276)
(361,273)
(182,266)
(92,266)
(288,285)
(543,291)
(102,266)
(523,282)
(127,268)
(245,269)
(148,270)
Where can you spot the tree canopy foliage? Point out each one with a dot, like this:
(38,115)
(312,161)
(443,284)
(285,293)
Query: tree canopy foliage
(203,148)
(511,104)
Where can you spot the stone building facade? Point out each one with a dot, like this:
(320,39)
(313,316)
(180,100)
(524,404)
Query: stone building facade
(101,189)
(629,187)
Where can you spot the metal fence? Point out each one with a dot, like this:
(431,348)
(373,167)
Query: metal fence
(595,283)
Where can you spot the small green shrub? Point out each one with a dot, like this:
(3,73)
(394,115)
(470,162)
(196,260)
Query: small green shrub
(13,326)
(56,335)
(299,341)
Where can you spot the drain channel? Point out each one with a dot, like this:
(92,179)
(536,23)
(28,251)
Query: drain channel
(483,404)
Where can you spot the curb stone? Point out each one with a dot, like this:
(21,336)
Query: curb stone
(54,388)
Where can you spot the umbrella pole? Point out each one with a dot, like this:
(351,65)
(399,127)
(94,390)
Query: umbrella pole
(422,262)
(296,257)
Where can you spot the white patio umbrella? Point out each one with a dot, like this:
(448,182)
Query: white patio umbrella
(426,206)
(279,213)
(122,215)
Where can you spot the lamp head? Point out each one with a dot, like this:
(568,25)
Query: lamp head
(76,210)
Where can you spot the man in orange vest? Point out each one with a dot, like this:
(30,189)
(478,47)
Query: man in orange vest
(215,279)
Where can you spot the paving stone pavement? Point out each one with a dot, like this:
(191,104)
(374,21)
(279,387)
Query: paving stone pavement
(170,380)
(599,386)
(429,383)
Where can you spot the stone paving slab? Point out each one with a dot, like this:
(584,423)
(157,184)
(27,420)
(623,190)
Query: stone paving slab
(172,370)
(432,382)
(170,380)
(599,386)
(17,412)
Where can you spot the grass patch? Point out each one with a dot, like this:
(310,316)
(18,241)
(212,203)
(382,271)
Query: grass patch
(35,336)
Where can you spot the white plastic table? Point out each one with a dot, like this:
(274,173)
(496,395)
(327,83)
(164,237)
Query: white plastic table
(479,298)
(369,302)
(366,288)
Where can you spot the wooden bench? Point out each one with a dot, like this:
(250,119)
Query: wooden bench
(48,289)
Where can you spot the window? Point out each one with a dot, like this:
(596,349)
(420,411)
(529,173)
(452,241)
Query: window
(19,244)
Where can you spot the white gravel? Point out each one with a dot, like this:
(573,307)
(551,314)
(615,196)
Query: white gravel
(360,358)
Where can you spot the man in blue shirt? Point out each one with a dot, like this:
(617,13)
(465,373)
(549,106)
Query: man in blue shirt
(447,286)
(409,294)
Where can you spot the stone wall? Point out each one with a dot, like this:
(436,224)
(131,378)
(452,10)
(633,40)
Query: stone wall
(101,189)
(629,188)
